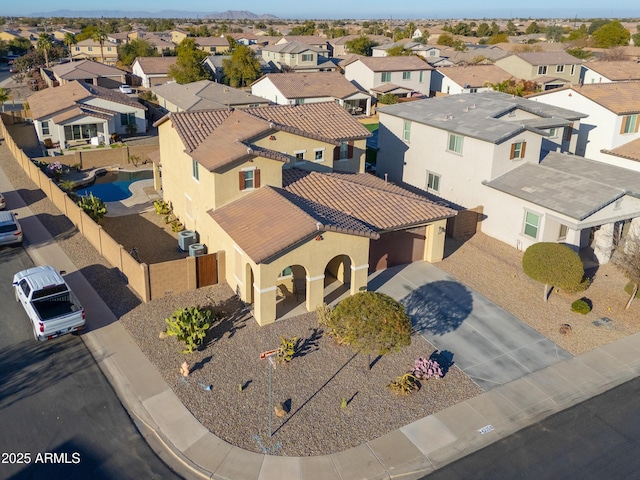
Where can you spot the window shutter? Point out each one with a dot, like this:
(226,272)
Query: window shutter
(336,153)
(637,123)
(623,126)
(256,178)
(513,151)
(524,147)
(350,150)
(241,180)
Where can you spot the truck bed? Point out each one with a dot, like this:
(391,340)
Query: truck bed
(55,307)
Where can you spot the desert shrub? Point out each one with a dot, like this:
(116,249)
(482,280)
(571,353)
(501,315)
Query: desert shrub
(162,207)
(404,384)
(287,349)
(371,322)
(323,313)
(581,306)
(425,368)
(189,325)
(553,264)
(93,206)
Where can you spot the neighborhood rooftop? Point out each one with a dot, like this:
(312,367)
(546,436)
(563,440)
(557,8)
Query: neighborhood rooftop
(204,95)
(395,64)
(616,71)
(481,115)
(622,98)
(310,85)
(570,185)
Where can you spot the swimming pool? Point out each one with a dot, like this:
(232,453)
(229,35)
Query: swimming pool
(114,186)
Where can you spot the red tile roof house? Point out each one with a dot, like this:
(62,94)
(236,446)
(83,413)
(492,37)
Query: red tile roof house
(280,190)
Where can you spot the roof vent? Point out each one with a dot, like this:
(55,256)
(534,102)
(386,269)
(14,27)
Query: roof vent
(528,189)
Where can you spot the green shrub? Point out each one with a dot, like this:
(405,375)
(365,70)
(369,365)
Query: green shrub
(629,289)
(162,207)
(388,99)
(371,322)
(553,264)
(581,306)
(287,349)
(93,206)
(189,325)
(66,185)
(404,384)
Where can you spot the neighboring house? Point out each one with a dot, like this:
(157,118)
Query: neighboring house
(315,41)
(298,57)
(339,47)
(79,113)
(214,63)
(259,185)
(212,45)
(60,33)
(90,49)
(178,35)
(397,75)
(565,199)
(613,120)
(448,146)
(153,71)
(8,35)
(297,88)
(160,44)
(603,72)
(203,95)
(425,51)
(87,71)
(472,54)
(553,69)
(244,38)
(467,79)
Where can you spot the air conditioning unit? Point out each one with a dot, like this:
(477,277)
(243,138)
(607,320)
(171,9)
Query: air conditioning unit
(197,249)
(186,238)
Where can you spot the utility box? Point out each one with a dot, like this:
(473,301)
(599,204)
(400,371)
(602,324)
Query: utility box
(186,238)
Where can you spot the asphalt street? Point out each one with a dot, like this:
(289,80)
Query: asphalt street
(59,417)
(597,439)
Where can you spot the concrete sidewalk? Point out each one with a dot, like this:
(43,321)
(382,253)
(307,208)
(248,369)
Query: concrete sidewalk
(407,453)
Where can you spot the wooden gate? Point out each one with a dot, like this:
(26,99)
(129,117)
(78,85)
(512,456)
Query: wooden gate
(207,270)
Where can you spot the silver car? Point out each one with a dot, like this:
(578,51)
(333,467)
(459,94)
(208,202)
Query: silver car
(10,230)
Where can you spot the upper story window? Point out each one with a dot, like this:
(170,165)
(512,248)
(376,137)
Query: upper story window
(127,119)
(517,150)
(455,143)
(542,70)
(299,101)
(318,154)
(629,124)
(406,131)
(559,68)
(195,169)
(307,57)
(343,152)
(432,53)
(90,49)
(45,128)
(249,179)
(406,75)
(433,182)
(573,70)
(386,76)
(553,133)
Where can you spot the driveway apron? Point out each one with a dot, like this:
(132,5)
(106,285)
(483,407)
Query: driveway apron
(489,344)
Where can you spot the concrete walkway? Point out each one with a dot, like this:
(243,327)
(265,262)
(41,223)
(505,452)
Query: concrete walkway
(488,343)
(407,453)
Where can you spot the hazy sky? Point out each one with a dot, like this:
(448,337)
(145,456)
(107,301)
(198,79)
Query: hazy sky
(340,9)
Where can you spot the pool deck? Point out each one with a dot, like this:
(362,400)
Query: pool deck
(140,201)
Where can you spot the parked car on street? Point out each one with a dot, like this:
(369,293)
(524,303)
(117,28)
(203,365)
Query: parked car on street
(50,304)
(10,230)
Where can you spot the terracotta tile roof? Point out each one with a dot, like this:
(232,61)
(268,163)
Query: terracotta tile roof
(475,76)
(395,64)
(269,220)
(85,69)
(369,199)
(52,100)
(616,71)
(194,127)
(310,85)
(622,98)
(79,111)
(155,65)
(390,88)
(630,150)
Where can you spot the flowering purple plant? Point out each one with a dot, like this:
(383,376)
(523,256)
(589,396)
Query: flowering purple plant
(424,368)
(55,169)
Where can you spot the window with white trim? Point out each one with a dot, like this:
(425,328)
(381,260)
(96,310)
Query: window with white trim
(531,224)
(629,124)
(344,150)
(542,70)
(299,154)
(573,69)
(318,154)
(307,57)
(433,182)
(249,179)
(195,169)
(455,143)
(553,133)
(562,234)
(406,131)
(559,68)
(517,150)
(45,128)
(406,75)
(386,77)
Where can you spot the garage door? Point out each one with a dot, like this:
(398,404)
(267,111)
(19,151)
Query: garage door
(397,248)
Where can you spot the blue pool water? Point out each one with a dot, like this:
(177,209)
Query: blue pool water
(114,186)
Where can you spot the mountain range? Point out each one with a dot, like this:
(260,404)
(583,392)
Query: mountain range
(228,15)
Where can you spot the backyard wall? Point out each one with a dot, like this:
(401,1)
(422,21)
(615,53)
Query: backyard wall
(104,157)
(147,281)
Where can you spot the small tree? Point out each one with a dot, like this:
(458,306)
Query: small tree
(553,264)
(361,45)
(370,322)
(627,259)
(44,45)
(188,67)
(612,34)
(242,68)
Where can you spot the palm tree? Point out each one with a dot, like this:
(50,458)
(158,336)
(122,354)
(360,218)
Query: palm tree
(44,44)
(4,96)
(70,39)
(100,36)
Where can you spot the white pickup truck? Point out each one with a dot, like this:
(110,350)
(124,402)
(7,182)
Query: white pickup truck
(49,302)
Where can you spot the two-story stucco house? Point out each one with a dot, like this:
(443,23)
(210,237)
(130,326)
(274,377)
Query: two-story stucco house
(280,191)
(455,147)
(298,88)
(77,113)
(212,45)
(298,57)
(91,50)
(396,75)
(550,69)
(613,120)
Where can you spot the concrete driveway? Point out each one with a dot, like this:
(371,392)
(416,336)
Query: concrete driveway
(489,344)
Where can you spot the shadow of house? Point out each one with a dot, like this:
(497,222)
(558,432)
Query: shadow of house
(439,307)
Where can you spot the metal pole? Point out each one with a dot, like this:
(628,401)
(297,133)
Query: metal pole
(270,395)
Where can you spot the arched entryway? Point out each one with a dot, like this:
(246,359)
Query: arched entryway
(291,289)
(337,278)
